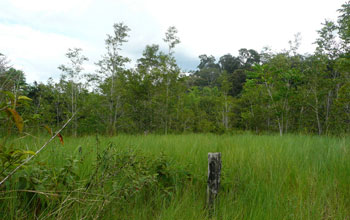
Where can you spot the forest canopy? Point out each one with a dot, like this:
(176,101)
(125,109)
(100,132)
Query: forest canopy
(256,91)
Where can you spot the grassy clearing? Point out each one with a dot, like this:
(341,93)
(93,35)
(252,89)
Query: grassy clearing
(263,177)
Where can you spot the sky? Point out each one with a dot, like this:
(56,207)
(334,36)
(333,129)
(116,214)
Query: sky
(36,34)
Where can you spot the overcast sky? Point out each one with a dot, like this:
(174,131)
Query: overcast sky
(35,34)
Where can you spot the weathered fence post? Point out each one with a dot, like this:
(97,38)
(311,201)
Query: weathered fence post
(214,170)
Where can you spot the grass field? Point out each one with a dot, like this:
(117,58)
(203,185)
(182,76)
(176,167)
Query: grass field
(164,177)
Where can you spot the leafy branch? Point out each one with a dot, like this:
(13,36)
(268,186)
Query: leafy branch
(38,151)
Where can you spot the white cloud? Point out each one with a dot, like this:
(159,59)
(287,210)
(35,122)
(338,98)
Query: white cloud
(219,27)
(37,53)
(35,34)
(51,6)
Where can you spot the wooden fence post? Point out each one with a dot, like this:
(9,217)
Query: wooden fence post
(214,171)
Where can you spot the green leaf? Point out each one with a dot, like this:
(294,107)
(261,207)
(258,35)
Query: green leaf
(29,152)
(22,97)
(15,152)
(10,95)
(36,116)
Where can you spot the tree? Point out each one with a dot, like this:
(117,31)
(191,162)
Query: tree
(236,76)
(72,87)
(171,39)
(170,70)
(344,25)
(144,85)
(113,73)
(248,57)
(4,63)
(318,91)
(229,63)
(328,41)
(225,88)
(208,72)
(275,79)
(13,80)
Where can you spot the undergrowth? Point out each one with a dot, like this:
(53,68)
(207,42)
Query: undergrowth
(164,177)
(116,181)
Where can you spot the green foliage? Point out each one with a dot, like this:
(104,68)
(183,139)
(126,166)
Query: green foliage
(265,177)
(153,176)
(116,177)
(263,92)
(10,154)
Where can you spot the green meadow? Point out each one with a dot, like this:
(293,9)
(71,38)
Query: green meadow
(164,177)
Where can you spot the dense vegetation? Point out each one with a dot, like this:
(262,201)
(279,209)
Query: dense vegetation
(262,92)
(164,177)
(151,176)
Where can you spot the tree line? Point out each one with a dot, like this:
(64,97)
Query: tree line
(258,91)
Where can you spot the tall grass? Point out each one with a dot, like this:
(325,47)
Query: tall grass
(263,177)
